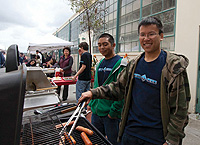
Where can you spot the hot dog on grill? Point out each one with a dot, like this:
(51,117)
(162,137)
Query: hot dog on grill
(62,140)
(71,139)
(85,139)
(63,124)
(83,129)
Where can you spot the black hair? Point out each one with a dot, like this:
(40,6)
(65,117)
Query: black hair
(67,49)
(110,37)
(54,61)
(84,45)
(150,21)
(37,57)
(29,63)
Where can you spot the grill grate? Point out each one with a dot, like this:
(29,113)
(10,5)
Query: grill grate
(45,133)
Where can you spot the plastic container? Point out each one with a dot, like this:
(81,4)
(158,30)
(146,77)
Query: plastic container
(58,73)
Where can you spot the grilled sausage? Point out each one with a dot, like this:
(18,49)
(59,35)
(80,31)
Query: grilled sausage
(62,140)
(63,124)
(83,129)
(71,139)
(68,110)
(85,139)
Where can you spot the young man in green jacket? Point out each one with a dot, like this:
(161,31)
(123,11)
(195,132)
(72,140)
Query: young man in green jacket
(106,114)
(155,90)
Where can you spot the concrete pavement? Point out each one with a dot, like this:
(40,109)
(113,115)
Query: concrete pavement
(192,131)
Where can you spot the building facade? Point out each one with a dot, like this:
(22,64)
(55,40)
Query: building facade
(181,32)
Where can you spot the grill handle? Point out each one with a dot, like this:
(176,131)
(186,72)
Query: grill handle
(78,109)
(77,117)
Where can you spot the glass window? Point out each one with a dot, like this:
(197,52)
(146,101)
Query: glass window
(168,28)
(129,18)
(106,18)
(123,2)
(110,16)
(115,6)
(128,37)
(114,22)
(136,4)
(146,11)
(122,20)
(110,31)
(168,4)
(128,28)
(134,35)
(115,14)
(168,43)
(121,38)
(146,2)
(114,32)
(156,7)
(121,47)
(128,8)
(128,47)
(122,29)
(135,25)
(129,1)
(111,8)
(107,3)
(168,16)
(135,14)
(135,46)
(110,24)
(122,11)
(159,16)
(154,1)
(111,1)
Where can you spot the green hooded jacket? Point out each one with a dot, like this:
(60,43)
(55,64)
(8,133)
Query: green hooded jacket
(174,93)
(103,107)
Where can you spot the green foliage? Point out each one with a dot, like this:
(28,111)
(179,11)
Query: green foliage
(92,17)
(92,14)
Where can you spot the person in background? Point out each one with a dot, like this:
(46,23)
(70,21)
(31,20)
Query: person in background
(48,58)
(31,63)
(4,54)
(84,72)
(65,63)
(156,91)
(106,114)
(51,63)
(21,58)
(2,60)
(42,60)
(38,60)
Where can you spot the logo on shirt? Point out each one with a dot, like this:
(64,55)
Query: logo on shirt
(104,69)
(144,78)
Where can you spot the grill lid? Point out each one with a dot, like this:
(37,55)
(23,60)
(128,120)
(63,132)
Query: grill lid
(12,90)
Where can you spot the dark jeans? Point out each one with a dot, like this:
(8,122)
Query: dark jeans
(108,127)
(131,140)
(65,90)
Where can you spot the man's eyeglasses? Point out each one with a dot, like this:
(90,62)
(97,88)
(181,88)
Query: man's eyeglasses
(149,35)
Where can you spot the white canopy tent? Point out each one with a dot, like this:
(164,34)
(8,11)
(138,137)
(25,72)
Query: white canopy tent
(47,44)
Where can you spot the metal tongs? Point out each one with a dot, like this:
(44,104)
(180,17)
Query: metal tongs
(78,110)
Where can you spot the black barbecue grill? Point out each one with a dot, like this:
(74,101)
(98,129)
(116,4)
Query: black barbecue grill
(45,132)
